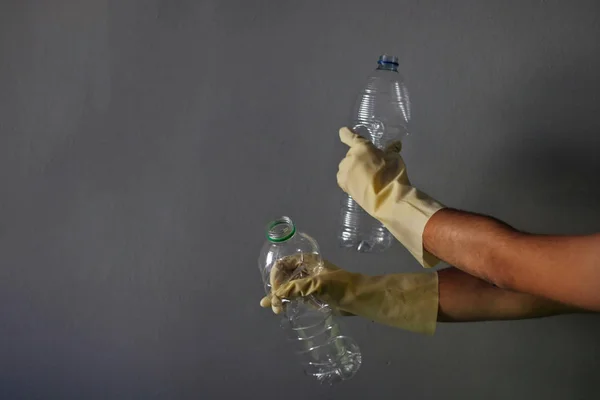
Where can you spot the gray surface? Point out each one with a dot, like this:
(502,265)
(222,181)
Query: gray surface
(144,144)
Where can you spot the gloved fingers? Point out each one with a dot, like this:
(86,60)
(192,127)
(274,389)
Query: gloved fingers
(364,157)
(291,290)
(350,138)
(298,288)
(273,302)
(294,267)
(284,270)
(265,302)
(342,175)
(276,304)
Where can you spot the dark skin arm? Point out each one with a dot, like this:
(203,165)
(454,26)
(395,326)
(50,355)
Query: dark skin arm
(564,269)
(465,298)
(460,297)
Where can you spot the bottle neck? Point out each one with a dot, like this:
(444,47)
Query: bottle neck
(387,67)
(281,230)
(387,63)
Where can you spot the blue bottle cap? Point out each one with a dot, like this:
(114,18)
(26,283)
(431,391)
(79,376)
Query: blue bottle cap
(385,59)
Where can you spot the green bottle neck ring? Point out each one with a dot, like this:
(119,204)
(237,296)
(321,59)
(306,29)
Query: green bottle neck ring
(280,230)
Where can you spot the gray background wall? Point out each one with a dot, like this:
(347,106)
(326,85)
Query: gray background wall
(144,145)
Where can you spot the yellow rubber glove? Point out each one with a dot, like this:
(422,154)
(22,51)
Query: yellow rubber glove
(407,300)
(377,180)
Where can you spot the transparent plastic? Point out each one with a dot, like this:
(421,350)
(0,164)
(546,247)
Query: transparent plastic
(324,352)
(381,114)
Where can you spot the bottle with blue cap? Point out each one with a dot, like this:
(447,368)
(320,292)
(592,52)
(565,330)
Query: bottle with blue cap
(381,114)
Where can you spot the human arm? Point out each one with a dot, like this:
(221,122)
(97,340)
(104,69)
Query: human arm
(412,301)
(465,298)
(408,301)
(562,268)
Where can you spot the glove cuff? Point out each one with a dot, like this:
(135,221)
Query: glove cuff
(408,300)
(405,211)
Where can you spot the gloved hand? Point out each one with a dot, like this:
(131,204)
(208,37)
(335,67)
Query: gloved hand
(377,180)
(406,300)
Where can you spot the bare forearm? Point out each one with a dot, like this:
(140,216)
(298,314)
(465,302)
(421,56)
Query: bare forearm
(464,298)
(565,269)
(468,241)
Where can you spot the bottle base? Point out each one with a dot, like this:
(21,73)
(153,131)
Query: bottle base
(325,353)
(345,366)
(377,241)
(361,232)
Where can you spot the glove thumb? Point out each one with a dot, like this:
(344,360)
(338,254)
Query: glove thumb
(350,138)
(394,147)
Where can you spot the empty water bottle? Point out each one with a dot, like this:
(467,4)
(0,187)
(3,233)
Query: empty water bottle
(381,114)
(325,353)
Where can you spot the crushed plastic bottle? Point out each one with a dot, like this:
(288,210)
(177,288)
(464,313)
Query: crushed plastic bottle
(381,114)
(324,352)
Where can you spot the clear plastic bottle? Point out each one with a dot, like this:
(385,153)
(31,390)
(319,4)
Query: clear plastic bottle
(324,352)
(381,114)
